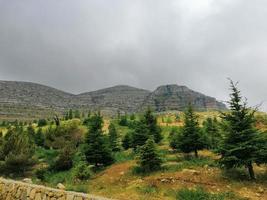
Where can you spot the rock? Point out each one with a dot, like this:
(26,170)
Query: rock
(193,172)
(260,190)
(61,186)
(27,180)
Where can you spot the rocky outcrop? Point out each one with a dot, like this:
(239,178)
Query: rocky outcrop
(15,190)
(30,100)
(174,97)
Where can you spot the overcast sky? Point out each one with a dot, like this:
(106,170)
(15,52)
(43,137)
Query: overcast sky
(83,45)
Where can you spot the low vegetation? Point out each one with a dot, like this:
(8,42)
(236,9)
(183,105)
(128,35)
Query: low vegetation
(194,156)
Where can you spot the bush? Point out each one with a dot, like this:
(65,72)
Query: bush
(64,160)
(82,171)
(42,122)
(40,174)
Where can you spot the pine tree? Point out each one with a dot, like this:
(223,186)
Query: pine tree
(190,139)
(77,114)
(140,135)
(113,138)
(70,114)
(97,150)
(210,127)
(127,141)
(17,151)
(149,157)
(151,122)
(242,144)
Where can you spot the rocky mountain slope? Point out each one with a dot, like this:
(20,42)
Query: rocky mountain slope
(31,100)
(174,97)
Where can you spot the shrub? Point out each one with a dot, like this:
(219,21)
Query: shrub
(42,122)
(82,171)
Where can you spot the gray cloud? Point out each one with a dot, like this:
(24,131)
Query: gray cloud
(83,45)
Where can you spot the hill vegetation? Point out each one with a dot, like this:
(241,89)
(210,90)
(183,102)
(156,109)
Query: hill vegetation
(172,155)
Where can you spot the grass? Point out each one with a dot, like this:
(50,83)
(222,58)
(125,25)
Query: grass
(200,194)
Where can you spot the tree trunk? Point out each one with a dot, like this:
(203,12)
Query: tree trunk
(196,153)
(251,171)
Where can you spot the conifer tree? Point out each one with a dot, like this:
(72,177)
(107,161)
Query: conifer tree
(190,139)
(243,145)
(77,114)
(151,122)
(140,135)
(149,157)
(97,150)
(127,141)
(113,138)
(70,114)
(39,138)
(212,132)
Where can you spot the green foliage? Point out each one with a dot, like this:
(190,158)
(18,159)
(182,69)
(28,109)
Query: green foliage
(123,121)
(96,149)
(151,122)
(191,139)
(243,145)
(127,141)
(42,122)
(39,138)
(77,114)
(149,158)
(69,133)
(139,135)
(174,136)
(113,138)
(211,130)
(64,160)
(81,171)
(17,151)
(200,194)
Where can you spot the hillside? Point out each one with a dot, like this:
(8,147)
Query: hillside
(174,97)
(24,100)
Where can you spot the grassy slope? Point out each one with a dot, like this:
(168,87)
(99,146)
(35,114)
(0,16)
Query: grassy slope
(118,181)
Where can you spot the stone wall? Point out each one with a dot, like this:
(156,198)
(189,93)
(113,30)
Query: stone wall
(16,190)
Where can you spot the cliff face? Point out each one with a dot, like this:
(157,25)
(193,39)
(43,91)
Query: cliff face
(174,97)
(30,100)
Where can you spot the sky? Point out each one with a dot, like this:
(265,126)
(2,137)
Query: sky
(84,45)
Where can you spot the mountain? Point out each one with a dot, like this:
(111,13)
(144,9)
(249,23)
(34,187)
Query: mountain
(30,100)
(174,97)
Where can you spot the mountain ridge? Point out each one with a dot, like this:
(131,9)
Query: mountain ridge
(27,98)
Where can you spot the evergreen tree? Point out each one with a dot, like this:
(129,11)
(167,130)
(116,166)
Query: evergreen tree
(190,139)
(97,150)
(113,138)
(149,157)
(127,141)
(70,114)
(140,135)
(242,144)
(151,122)
(42,122)
(39,138)
(17,151)
(77,114)
(210,127)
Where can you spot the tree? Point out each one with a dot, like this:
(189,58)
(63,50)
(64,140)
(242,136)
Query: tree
(97,150)
(70,114)
(123,121)
(39,138)
(127,141)
(77,114)
(42,122)
(242,145)
(190,139)
(151,122)
(64,160)
(210,127)
(140,135)
(17,151)
(149,158)
(113,138)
